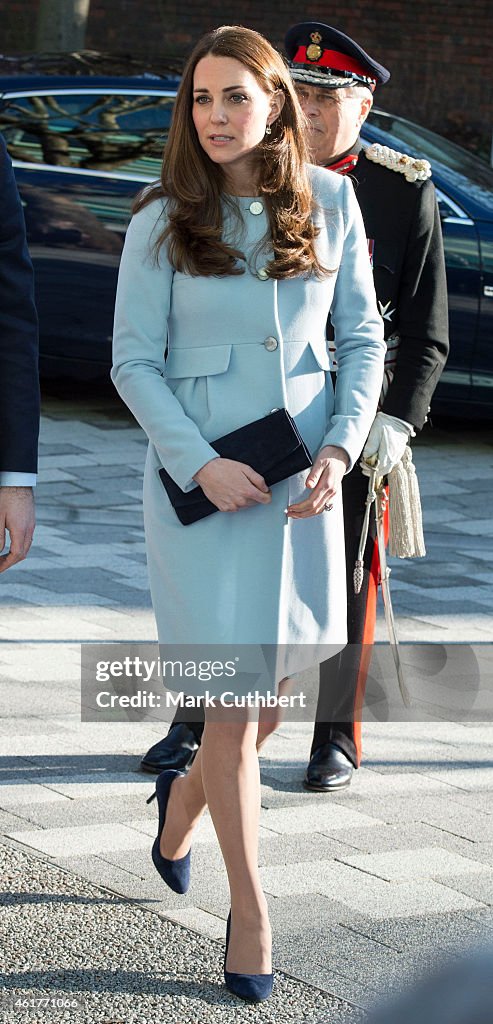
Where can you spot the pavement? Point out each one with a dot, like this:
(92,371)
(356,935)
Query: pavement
(367,888)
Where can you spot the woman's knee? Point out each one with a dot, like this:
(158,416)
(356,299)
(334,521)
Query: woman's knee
(267,727)
(230,733)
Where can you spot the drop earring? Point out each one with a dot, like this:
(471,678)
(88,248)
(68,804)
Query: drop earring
(268,130)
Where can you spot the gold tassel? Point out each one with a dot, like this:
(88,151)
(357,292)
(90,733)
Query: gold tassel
(406,538)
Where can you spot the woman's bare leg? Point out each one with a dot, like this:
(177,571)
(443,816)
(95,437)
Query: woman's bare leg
(186,805)
(187,800)
(271,718)
(225,775)
(231,777)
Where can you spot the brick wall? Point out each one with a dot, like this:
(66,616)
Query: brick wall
(439,51)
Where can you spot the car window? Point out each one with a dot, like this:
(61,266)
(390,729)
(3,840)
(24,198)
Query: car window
(449,209)
(119,132)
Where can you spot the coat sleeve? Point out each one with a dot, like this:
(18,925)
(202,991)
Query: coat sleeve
(359,337)
(139,342)
(19,380)
(423,315)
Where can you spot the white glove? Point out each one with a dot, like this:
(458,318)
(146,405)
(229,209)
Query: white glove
(386,442)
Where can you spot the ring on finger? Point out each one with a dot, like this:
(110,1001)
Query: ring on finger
(328,508)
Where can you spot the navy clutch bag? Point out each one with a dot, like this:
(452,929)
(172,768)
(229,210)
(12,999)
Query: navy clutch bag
(272,446)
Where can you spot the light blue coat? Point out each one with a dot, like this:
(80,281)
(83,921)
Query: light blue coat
(238,348)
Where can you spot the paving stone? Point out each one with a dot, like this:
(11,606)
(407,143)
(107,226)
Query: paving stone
(424,862)
(478,885)
(125,880)
(77,840)
(442,812)
(59,449)
(139,864)
(324,818)
(455,931)
(370,895)
(302,877)
(116,784)
(52,492)
(199,921)
(9,822)
(67,813)
(410,836)
(461,822)
(311,911)
(481,802)
(325,977)
(21,795)
(480,851)
(473,778)
(288,849)
(373,896)
(39,744)
(365,960)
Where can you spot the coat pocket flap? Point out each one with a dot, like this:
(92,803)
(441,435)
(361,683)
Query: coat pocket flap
(320,351)
(198,362)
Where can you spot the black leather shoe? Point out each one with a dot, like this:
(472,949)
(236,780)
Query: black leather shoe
(177,750)
(329,769)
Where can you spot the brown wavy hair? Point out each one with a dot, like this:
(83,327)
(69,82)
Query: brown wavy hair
(195,186)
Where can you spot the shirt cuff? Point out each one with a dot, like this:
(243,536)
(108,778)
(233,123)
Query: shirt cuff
(18,479)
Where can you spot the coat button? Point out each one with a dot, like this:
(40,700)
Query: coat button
(271,344)
(262,274)
(256,208)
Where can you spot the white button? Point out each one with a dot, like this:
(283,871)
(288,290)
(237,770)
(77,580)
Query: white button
(256,208)
(262,274)
(271,344)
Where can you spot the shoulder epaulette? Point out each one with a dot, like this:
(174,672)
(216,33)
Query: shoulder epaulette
(412,168)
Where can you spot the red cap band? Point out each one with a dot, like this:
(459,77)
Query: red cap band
(332,59)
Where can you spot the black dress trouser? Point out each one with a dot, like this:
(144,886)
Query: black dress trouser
(343,678)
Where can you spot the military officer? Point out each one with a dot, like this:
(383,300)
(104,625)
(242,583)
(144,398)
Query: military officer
(335,80)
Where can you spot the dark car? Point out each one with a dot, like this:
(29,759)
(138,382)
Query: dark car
(83,145)
(464,186)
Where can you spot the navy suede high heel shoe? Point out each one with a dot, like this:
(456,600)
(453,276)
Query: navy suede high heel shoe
(252,987)
(176,873)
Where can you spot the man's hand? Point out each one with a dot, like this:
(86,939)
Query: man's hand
(232,485)
(386,442)
(324,480)
(17,516)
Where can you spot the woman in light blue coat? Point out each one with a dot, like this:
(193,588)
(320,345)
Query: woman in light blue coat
(233,263)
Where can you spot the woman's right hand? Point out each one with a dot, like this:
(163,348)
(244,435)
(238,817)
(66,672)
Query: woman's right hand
(232,485)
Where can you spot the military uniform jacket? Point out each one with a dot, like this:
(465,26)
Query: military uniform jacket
(403,227)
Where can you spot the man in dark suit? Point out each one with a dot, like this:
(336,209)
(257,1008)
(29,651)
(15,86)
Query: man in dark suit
(19,382)
(335,80)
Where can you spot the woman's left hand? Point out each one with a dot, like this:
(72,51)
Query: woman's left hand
(324,480)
